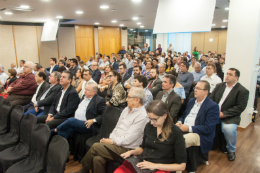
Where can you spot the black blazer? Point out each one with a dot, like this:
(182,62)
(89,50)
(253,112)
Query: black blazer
(96,75)
(234,104)
(95,110)
(125,78)
(130,71)
(45,85)
(10,81)
(55,68)
(115,66)
(68,105)
(47,101)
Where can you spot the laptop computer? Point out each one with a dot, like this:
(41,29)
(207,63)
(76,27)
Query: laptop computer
(130,163)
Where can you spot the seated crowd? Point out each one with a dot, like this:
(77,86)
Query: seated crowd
(168,103)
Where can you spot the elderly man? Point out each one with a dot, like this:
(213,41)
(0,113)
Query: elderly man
(88,116)
(211,77)
(154,83)
(13,65)
(169,97)
(22,90)
(197,73)
(103,65)
(130,82)
(96,73)
(200,119)
(122,51)
(127,134)
(64,104)
(161,70)
(3,76)
(185,78)
(170,49)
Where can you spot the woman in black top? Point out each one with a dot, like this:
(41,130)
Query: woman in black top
(163,146)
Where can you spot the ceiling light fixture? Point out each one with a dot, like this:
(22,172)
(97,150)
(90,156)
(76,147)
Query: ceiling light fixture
(121,25)
(104,7)
(96,23)
(79,12)
(59,17)
(113,21)
(141,26)
(138,23)
(8,13)
(135,18)
(223,26)
(225,20)
(131,29)
(227,8)
(25,6)
(134,31)
(136,0)
(213,25)
(146,30)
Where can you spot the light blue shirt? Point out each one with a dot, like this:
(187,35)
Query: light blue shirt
(180,91)
(80,113)
(143,67)
(197,76)
(100,61)
(89,62)
(148,97)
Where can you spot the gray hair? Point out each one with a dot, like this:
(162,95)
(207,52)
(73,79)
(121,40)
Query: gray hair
(14,63)
(212,60)
(197,63)
(94,85)
(32,64)
(138,92)
(164,65)
(2,68)
(57,75)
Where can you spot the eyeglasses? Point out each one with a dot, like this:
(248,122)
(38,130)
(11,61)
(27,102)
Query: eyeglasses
(130,97)
(153,119)
(110,76)
(196,88)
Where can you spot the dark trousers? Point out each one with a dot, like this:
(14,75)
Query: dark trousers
(71,126)
(18,99)
(28,107)
(52,124)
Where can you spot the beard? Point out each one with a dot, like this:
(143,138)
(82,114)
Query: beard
(152,77)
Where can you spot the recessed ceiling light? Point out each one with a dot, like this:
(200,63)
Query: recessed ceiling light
(8,13)
(121,25)
(59,17)
(225,20)
(138,23)
(79,12)
(134,31)
(113,21)
(25,6)
(223,26)
(96,23)
(104,6)
(135,18)
(141,26)
(131,29)
(146,30)
(213,25)
(227,8)
(136,0)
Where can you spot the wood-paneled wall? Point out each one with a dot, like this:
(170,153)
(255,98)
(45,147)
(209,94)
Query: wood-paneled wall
(201,40)
(84,38)
(109,40)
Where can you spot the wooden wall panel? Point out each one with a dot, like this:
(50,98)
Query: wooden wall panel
(84,38)
(47,49)
(109,40)
(211,46)
(66,42)
(197,39)
(7,49)
(26,43)
(222,41)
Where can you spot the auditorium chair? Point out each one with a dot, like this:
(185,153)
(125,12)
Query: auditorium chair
(35,163)
(1,99)
(5,110)
(219,140)
(12,137)
(21,151)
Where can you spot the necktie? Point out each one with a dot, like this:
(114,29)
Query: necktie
(150,84)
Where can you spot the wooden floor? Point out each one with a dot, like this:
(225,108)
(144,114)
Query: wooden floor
(247,152)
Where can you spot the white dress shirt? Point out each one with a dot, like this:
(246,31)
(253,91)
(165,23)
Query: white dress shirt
(51,68)
(80,113)
(213,81)
(19,70)
(103,65)
(3,78)
(60,101)
(129,129)
(225,94)
(34,96)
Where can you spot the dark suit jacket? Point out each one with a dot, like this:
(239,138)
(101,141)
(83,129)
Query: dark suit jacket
(45,85)
(68,105)
(234,104)
(125,78)
(96,75)
(47,101)
(156,87)
(10,81)
(95,110)
(130,71)
(205,122)
(55,68)
(47,75)
(115,66)
(173,103)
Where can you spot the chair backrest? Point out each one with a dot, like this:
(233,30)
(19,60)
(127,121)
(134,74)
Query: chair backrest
(5,110)
(57,156)
(1,99)
(109,121)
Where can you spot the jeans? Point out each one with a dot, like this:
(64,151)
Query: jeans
(37,114)
(71,126)
(230,133)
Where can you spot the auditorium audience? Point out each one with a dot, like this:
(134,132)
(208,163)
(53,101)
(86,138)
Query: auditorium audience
(96,73)
(178,64)
(137,49)
(208,61)
(197,73)
(104,77)
(145,49)
(161,69)
(118,59)
(73,67)
(200,119)
(170,49)
(159,49)
(114,64)
(185,78)
(44,100)
(163,146)
(155,63)
(21,90)
(12,77)
(154,83)
(232,99)
(140,81)
(196,53)
(116,95)
(149,65)
(87,117)
(64,104)
(203,61)
(127,134)
(19,70)
(211,77)
(169,97)
(130,50)
(103,65)
(62,69)
(78,81)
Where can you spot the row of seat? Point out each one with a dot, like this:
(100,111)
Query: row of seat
(25,146)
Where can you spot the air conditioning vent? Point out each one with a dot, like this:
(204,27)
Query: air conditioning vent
(17,10)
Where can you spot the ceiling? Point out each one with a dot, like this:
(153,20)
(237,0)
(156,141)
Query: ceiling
(125,11)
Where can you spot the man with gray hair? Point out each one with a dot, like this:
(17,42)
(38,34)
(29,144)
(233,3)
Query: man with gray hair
(3,76)
(127,134)
(88,116)
(161,70)
(21,91)
(103,65)
(13,65)
(197,73)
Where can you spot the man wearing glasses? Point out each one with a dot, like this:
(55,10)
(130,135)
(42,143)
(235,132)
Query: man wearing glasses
(131,70)
(200,119)
(96,73)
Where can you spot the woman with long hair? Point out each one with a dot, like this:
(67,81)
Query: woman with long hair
(163,55)
(219,71)
(12,77)
(169,65)
(116,95)
(149,65)
(77,83)
(104,77)
(163,147)
(196,53)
